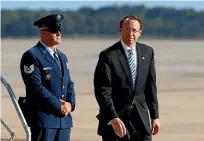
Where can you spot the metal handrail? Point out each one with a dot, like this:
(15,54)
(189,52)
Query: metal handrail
(9,130)
(18,109)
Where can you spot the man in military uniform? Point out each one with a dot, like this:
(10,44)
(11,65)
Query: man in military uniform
(49,88)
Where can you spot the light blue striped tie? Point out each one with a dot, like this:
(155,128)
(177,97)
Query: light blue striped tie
(132,64)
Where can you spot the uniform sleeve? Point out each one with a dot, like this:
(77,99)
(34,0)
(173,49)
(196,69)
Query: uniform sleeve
(70,91)
(32,79)
(151,90)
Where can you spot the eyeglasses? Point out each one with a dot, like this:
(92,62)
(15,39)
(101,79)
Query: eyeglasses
(127,29)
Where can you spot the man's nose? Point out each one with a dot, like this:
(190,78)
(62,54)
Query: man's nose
(130,32)
(58,33)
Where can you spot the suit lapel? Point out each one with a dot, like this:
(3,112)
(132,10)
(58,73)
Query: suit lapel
(63,63)
(124,63)
(139,65)
(48,57)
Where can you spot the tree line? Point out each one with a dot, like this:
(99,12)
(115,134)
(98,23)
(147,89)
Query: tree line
(104,21)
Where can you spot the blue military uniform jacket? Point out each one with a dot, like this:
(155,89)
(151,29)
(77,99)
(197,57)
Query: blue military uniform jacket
(45,84)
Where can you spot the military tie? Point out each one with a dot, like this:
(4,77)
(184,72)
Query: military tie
(132,64)
(57,58)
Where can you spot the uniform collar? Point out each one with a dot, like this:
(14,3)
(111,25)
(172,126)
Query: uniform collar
(47,48)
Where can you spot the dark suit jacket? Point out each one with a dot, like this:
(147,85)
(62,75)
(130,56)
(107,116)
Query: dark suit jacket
(114,90)
(45,83)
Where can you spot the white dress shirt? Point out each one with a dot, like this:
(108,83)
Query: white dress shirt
(126,48)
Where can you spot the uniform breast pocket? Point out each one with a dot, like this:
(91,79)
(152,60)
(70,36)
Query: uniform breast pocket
(47,74)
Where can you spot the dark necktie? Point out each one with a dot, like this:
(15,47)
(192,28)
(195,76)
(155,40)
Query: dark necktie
(57,59)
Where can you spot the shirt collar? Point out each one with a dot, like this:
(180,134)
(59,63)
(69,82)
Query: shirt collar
(126,47)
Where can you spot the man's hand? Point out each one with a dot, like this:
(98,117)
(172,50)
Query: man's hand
(65,108)
(118,127)
(155,126)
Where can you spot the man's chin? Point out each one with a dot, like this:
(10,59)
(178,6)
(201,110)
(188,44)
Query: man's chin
(131,42)
(57,42)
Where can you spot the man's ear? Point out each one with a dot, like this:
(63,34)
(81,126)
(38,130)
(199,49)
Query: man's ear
(140,32)
(43,33)
(119,29)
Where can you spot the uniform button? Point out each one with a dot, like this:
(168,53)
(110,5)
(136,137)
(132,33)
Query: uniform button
(63,87)
(62,96)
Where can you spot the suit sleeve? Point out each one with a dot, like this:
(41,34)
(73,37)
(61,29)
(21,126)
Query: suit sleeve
(32,79)
(151,90)
(71,92)
(103,87)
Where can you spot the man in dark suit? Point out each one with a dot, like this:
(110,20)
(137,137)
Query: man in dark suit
(49,88)
(125,87)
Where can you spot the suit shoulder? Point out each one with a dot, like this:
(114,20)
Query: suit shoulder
(35,49)
(32,52)
(110,50)
(145,47)
(61,53)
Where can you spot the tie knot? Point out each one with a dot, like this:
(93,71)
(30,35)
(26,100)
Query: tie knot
(130,51)
(55,52)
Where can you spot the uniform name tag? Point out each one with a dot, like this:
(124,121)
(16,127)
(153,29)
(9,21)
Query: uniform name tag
(47,68)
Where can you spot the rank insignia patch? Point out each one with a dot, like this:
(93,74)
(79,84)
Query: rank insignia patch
(29,69)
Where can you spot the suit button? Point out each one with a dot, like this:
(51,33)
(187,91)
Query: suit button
(62,96)
(63,87)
